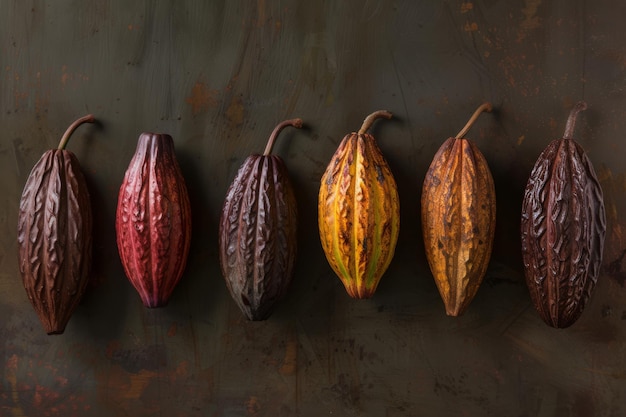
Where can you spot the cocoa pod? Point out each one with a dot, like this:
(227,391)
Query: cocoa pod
(257,232)
(153,220)
(54,237)
(458,219)
(563,226)
(359,212)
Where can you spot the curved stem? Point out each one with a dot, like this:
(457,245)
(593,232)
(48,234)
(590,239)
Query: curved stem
(571,120)
(483,107)
(270,142)
(370,119)
(66,136)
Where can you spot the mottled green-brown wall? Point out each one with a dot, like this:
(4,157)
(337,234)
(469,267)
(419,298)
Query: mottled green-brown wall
(218,76)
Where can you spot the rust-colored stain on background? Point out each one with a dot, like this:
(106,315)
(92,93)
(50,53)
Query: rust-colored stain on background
(471,27)
(466,6)
(11,377)
(33,395)
(252,406)
(235,111)
(135,384)
(67,76)
(290,360)
(201,98)
(531,20)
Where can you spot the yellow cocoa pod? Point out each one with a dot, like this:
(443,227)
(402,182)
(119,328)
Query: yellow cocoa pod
(359,211)
(459,218)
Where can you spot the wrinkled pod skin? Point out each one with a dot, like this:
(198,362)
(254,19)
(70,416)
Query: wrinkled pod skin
(257,232)
(359,212)
(458,219)
(563,226)
(153,220)
(54,235)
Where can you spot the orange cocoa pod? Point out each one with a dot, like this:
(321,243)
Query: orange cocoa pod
(459,218)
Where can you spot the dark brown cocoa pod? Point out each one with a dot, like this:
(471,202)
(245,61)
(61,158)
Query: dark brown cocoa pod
(54,234)
(153,220)
(563,227)
(257,232)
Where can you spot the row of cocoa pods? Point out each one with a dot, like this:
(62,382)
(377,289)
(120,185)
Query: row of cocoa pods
(562,224)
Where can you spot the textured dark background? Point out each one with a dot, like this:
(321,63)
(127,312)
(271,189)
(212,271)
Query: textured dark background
(218,76)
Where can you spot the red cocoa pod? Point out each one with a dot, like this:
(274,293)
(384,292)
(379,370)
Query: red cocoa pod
(153,220)
(257,236)
(563,227)
(54,235)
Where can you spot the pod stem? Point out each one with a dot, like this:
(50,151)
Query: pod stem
(571,120)
(270,142)
(367,123)
(483,107)
(66,136)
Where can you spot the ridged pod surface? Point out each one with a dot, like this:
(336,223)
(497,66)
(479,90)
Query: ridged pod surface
(563,227)
(458,219)
(54,235)
(153,220)
(257,236)
(359,212)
